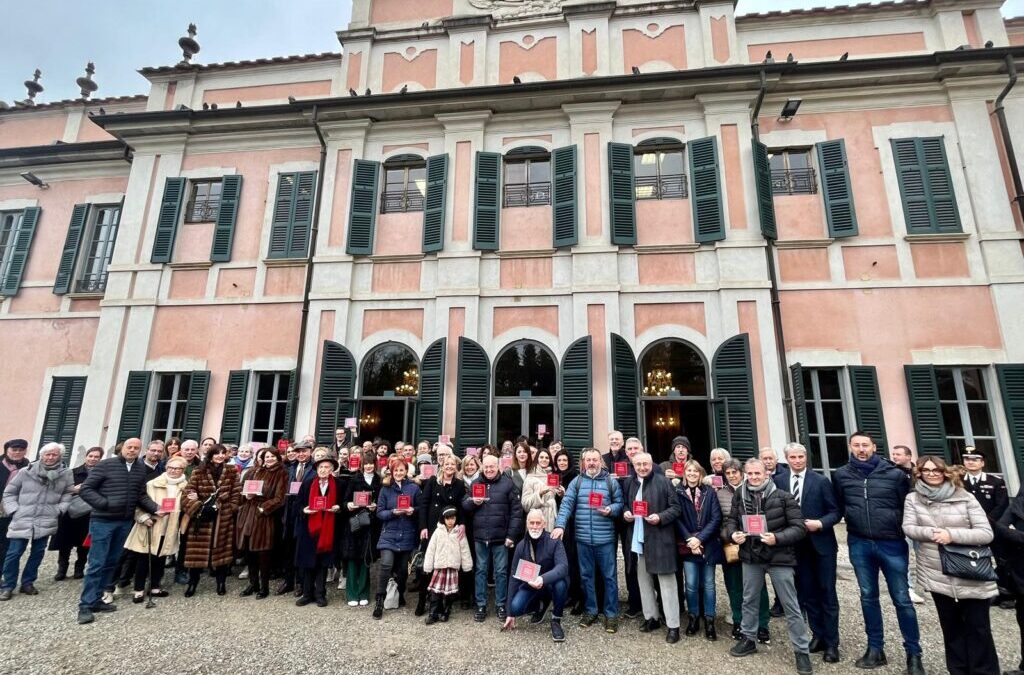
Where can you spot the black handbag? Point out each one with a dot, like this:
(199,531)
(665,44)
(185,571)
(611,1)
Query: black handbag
(208,511)
(359,521)
(973,563)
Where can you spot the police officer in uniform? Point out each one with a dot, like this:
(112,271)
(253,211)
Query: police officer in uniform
(990,491)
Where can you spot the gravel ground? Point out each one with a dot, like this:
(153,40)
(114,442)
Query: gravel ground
(211,634)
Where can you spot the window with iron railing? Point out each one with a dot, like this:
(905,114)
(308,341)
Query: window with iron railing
(792,173)
(527,182)
(204,201)
(10,222)
(405,184)
(658,173)
(100,239)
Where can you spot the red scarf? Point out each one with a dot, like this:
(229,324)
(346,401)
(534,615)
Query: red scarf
(321,523)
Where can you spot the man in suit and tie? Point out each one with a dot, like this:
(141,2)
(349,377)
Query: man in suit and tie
(291,518)
(990,491)
(816,554)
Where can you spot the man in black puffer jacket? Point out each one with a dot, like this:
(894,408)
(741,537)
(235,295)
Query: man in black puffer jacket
(114,488)
(870,492)
(769,549)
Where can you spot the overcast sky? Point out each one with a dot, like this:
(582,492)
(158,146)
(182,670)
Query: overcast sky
(121,36)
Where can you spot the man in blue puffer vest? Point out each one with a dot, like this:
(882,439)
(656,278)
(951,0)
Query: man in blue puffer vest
(594,500)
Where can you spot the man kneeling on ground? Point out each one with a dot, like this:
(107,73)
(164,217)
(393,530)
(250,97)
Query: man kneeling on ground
(549,586)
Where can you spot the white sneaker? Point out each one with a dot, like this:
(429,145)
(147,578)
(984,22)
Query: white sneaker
(332,574)
(364,603)
(341,584)
(244,574)
(352,603)
(107,598)
(916,599)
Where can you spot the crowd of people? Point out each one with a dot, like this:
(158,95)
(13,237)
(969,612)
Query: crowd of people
(541,531)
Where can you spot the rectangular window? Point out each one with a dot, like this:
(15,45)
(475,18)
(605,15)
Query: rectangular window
(792,172)
(926,186)
(100,239)
(827,423)
(964,400)
(659,173)
(171,404)
(269,407)
(10,222)
(204,201)
(62,412)
(404,187)
(527,182)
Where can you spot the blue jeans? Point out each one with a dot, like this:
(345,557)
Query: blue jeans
(486,554)
(599,560)
(108,537)
(892,558)
(529,599)
(15,548)
(700,579)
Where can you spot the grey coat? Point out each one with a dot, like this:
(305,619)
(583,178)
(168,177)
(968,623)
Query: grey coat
(35,503)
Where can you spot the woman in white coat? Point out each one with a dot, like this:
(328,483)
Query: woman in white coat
(537,493)
(155,537)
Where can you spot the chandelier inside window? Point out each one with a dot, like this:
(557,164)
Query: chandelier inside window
(659,383)
(369,420)
(410,383)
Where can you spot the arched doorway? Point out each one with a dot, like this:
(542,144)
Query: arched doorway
(674,397)
(388,394)
(525,392)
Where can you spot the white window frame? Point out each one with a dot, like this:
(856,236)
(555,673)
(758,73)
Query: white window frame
(250,407)
(154,401)
(965,417)
(814,396)
(18,216)
(87,244)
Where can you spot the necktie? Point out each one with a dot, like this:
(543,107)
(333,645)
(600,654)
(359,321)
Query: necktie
(796,487)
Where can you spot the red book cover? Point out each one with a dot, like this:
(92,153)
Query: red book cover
(168,505)
(427,470)
(362,499)
(542,429)
(382,462)
(717,482)
(640,509)
(505,463)
(554,480)
(88,541)
(293,487)
(350,423)
(527,571)
(475,452)
(596,500)
(319,503)
(404,502)
(282,445)
(621,469)
(479,491)
(678,468)
(354,462)
(445,439)
(755,525)
(252,487)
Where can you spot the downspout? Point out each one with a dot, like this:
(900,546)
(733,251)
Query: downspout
(773,279)
(1011,157)
(314,231)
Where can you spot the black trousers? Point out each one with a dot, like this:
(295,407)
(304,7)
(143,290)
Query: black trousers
(219,573)
(258,563)
(64,556)
(314,582)
(816,590)
(4,524)
(143,566)
(396,564)
(967,634)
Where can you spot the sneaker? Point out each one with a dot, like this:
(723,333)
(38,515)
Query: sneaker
(364,603)
(104,607)
(341,584)
(107,598)
(803,664)
(353,603)
(502,614)
(763,636)
(633,613)
(29,589)
(244,574)
(744,647)
(332,575)
(737,633)
(557,634)
(916,599)
(480,614)
(85,616)
(538,616)
(587,620)
(611,625)
(6,594)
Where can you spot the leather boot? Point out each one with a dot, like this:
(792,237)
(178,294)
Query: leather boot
(378,609)
(221,585)
(62,572)
(79,568)
(435,608)
(709,628)
(421,601)
(190,590)
(264,588)
(693,625)
(914,665)
(446,606)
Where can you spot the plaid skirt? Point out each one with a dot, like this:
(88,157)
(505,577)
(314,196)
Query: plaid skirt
(444,582)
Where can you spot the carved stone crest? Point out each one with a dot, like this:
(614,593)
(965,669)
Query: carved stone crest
(507,8)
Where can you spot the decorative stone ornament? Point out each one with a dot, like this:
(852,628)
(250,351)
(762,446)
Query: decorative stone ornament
(507,8)
(189,46)
(85,83)
(33,88)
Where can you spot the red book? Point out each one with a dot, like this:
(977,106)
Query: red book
(596,500)
(479,491)
(445,439)
(717,482)
(404,502)
(361,499)
(527,571)
(621,469)
(282,445)
(252,487)
(88,541)
(427,470)
(554,480)
(354,462)
(678,468)
(319,503)
(294,486)
(640,509)
(505,463)
(350,423)
(755,525)
(168,505)
(382,462)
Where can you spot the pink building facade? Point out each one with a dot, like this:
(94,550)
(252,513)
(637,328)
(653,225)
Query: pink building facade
(542,213)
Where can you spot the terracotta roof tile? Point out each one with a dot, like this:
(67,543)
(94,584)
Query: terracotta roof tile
(274,60)
(92,102)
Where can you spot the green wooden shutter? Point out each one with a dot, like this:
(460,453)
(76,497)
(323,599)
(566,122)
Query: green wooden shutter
(281,223)
(62,411)
(293,215)
(73,241)
(234,406)
(337,386)
(867,404)
(734,383)
(195,407)
(1011,388)
(289,408)
(487,202)
(763,182)
(472,403)
(576,397)
(362,215)
(621,193)
(929,429)
(926,187)
(435,203)
(167,220)
(835,183)
(227,215)
(625,389)
(565,220)
(133,409)
(706,191)
(21,244)
(800,407)
(430,413)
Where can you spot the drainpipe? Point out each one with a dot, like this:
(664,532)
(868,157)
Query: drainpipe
(773,279)
(314,231)
(1011,157)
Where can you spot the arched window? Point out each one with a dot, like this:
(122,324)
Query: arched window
(527,180)
(659,170)
(525,366)
(405,184)
(672,368)
(390,369)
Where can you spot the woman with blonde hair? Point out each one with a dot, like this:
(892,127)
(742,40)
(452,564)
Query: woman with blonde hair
(156,537)
(538,493)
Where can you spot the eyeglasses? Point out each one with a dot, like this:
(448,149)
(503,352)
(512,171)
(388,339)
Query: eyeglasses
(932,471)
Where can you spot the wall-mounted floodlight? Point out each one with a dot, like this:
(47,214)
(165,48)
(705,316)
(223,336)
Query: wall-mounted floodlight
(35,180)
(790,109)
